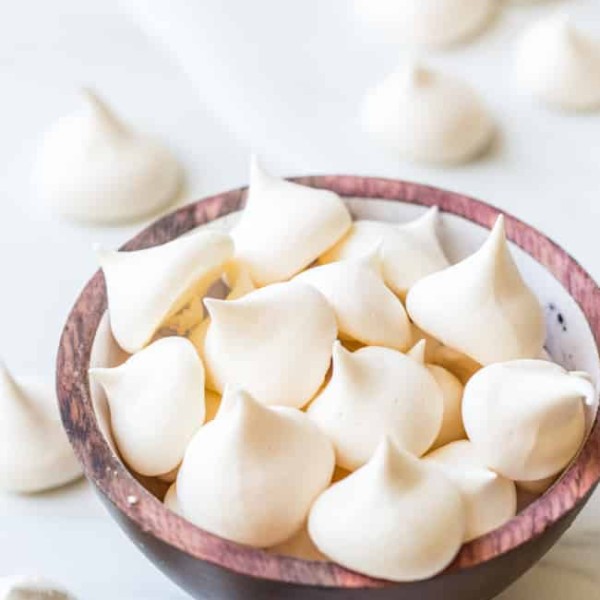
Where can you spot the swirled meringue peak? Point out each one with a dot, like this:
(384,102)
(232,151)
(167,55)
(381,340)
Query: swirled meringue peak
(156,401)
(375,392)
(481,306)
(285,226)
(32,588)
(397,518)
(35,453)
(365,308)
(274,342)
(146,287)
(408,251)
(94,168)
(251,475)
(490,499)
(428,117)
(526,418)
(560,64)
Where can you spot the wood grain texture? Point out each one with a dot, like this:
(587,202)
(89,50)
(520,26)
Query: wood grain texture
(538,525)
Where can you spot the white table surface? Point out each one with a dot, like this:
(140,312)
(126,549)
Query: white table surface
(545,169)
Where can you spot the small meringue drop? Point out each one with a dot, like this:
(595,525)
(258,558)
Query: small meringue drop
(299,546)
(274,342)
(285,226)
(375,392)
(146,287)
(559,64)
(481,306)
(252,474)
(92,167)
(156,401)
(35,453)
(427,117)
(490,499)
(32,588)
(396,518)
(526,418)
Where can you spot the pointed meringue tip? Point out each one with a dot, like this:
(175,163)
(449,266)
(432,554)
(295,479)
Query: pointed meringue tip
(217,307)
(394,461)
(497,235)
(237,399)
(417,352)
(258,175)
(429,217)
(586,387)
(480,477)
(102,111)
(373,258)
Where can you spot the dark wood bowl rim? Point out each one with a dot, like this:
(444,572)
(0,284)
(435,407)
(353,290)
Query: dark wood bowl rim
(109,474)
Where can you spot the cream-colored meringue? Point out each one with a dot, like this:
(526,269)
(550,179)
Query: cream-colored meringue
(299,546)
(537,487)
(560,64)
(375,392)
(490,499)
(171,500)
(92,167)
(146,287)
(156,401)
(252,474)
(409,251)
(481,306)
(526,418)
(427,22)
(274,342)
(429,117)
(396,518)
(365,308)
(35,453)
(32,588)
(285,226)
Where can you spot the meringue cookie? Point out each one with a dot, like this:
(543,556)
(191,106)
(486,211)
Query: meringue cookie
(537,487)
(396,518)
(427,22)
(409,251)
(31,588)
(429,117)
(490,499)
(251,475)
(299,546)
(559,64)
(274,342)
(156,401)
(481,306)
(526,418)
(375,392)
(365,309)
(285,226)
(146,287)
(35,453)
(171,500)
(92,167)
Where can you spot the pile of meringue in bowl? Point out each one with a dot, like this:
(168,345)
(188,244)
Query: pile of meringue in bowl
(333,389)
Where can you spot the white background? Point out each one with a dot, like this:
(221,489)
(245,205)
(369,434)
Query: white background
(218,79)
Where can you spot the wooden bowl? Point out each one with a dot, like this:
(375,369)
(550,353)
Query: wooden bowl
(210,567)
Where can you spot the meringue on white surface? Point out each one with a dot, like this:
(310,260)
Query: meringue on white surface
(526,418)
(396,518)
(274,342)
(32,588)
(428,117)
(156,401)
(481,306)
(92,167)
(285,226)
(35,453)
(375,392)
(560,64)
(146,287)
(252,474)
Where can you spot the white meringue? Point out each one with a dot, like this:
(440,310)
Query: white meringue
(481,306)
(285,226)
(35,453)
(366,309)
(490,499)
(171,501)
(409,251)
(92,167)
(32,588)
(560,64)
(396,518)
(251,475)
(274,342)
(156,401)
(299,546)
(429,117)
(375,392)
(526,418)
(427,22)
(146,287)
